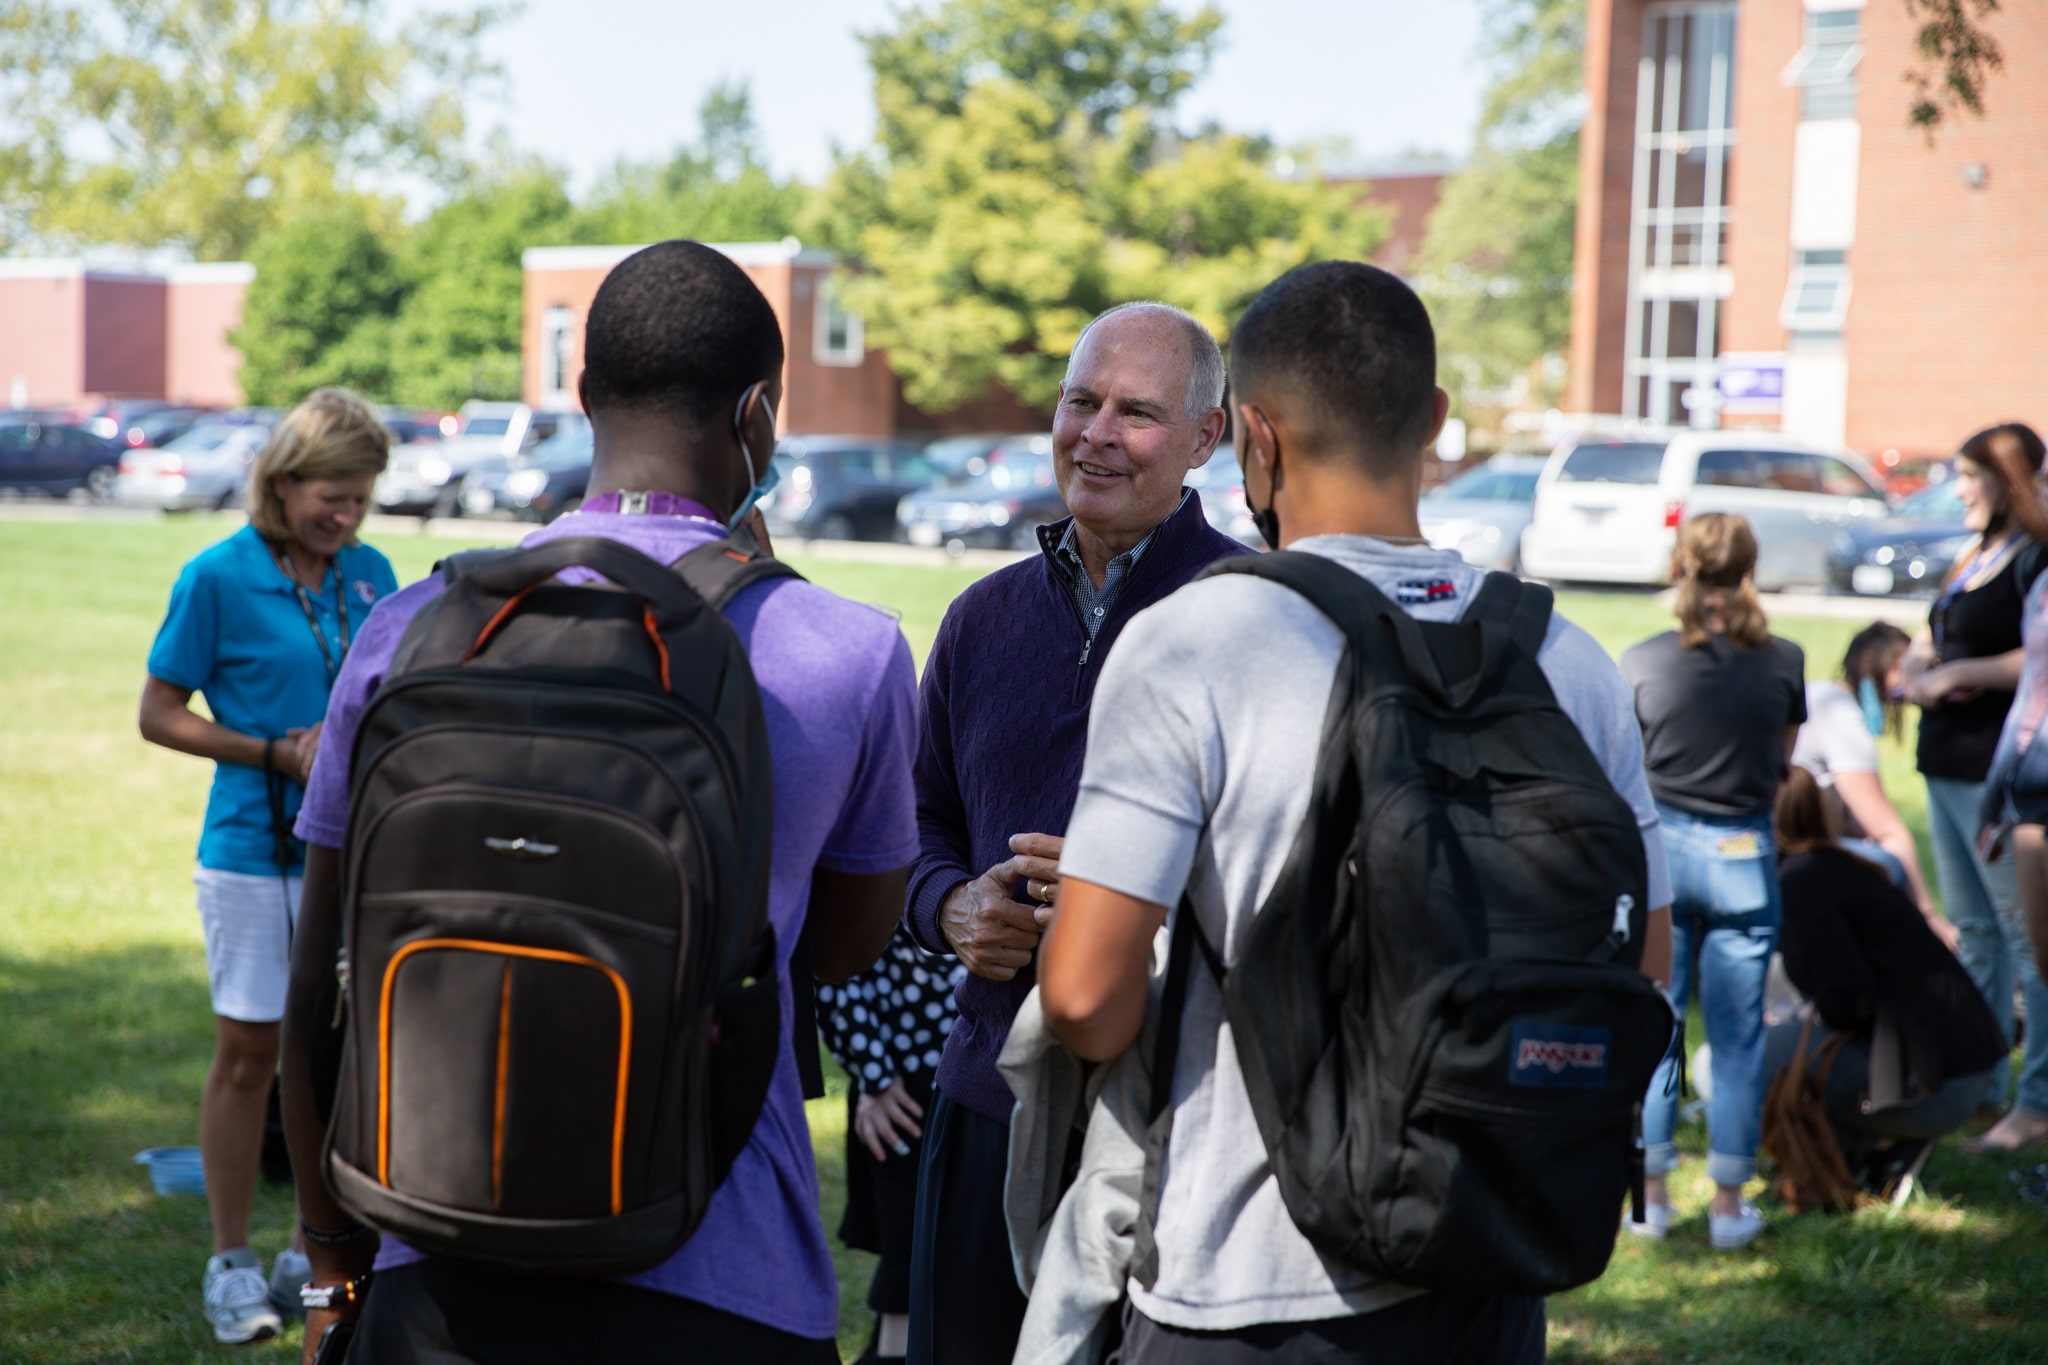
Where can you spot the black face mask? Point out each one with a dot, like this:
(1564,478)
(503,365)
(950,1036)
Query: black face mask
(1267,523)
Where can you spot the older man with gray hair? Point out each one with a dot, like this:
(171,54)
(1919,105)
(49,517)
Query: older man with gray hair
(1005,719)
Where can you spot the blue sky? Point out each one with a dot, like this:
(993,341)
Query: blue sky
(594,80)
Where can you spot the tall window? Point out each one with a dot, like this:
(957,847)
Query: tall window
(1679,221)
(557,347)
(1825,69)
(838,337)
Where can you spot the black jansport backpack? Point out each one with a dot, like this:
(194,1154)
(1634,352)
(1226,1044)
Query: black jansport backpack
(562,1011)
(1443,1034)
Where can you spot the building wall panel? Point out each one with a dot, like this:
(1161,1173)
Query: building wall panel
(124,336)
(42,339)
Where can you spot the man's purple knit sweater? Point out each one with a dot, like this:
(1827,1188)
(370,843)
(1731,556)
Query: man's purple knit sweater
(1004,725)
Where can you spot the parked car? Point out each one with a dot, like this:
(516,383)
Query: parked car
(1906,554)
(842,487)
(1608,510)
(108,418)
(39,455)
(1221,485)
(410,425)
(160,428)
(427,477)
(1001,508)
(1903,477)
(207,467)
(966,457)
(537,487)
(1484,510)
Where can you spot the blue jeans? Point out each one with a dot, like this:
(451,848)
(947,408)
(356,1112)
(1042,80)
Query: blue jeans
(1724,924)
(1982,901)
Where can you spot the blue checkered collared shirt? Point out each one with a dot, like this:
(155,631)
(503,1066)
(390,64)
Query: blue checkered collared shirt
(1095,603)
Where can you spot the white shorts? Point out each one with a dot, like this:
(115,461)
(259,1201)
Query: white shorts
(248,943)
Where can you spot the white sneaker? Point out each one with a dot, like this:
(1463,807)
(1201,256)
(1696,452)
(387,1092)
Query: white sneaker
(238,1300)
(1734,1231)
(1656,1221)
(288,1274)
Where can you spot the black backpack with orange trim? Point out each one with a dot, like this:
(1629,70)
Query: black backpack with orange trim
(558,967)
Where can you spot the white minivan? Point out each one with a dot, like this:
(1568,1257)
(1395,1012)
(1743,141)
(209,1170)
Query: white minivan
(1608,509)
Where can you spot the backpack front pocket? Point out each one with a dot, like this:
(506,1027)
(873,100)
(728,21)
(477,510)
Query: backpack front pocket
(503,1078)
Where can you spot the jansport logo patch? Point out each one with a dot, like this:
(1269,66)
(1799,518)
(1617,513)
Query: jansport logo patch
(1412,592)
(1560,1055)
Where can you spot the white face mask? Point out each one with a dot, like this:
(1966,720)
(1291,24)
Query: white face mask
(770,475)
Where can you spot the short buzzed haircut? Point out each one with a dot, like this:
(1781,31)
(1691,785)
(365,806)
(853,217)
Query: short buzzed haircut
(1205,367)
(1354,346)
(679,328)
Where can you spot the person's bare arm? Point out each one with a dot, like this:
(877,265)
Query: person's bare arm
(1093,966)
(1993,673)
(850,920)
(1656,963)
(166,717)
(314,943)
(1864,795)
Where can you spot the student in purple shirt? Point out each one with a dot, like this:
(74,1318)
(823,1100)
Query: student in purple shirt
(1005,701)
(678,341)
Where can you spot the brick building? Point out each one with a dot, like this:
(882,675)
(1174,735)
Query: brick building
(70,331)
(832,382)
(1762,238)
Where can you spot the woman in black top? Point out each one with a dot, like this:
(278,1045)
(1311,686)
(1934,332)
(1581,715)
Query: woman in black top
(1961,672)
(1919,1040)
(1720,701)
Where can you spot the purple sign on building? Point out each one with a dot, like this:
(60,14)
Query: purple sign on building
(1752,381)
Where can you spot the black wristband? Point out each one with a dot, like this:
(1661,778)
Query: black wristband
(322,1237)
(270,755)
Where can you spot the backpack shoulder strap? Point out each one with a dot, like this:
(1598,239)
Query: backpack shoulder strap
(1524,608)
(721,570)
(469,561)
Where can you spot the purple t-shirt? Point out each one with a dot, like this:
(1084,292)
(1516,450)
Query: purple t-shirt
(839,691)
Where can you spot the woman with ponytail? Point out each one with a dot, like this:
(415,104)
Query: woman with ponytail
(1961,672)
(1720,701)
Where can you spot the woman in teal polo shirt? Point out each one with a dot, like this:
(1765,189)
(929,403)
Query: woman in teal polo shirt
(258,624)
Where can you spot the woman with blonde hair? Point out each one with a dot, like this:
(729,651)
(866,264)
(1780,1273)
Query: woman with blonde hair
(259,624)
(1720,701)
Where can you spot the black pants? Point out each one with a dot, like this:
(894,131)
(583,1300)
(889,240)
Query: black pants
(1434,1329)
(965,1307)
(881,1204)
(439,1313)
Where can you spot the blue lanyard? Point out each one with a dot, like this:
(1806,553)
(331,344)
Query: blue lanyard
(1959,583)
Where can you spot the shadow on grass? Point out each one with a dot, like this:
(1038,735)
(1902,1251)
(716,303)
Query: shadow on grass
(101,1056)
(1960,1275)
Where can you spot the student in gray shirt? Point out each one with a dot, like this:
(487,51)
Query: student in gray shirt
(1201,753)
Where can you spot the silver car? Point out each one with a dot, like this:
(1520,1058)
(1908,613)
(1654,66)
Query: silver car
(204,468)
(1483,511)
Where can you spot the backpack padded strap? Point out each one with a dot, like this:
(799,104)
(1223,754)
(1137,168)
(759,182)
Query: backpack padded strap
(468,561)
(1524,608)
(721,570)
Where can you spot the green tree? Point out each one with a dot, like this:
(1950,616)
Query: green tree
(1496,262)
(321,308)
(1026,174)
(718,189)
(1957,54)
(457,333)
(201,123)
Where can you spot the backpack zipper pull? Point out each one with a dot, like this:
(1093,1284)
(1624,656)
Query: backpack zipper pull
(341,976)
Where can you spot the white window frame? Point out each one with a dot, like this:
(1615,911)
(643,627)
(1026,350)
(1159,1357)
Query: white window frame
(1793,318)
(557,337)
(825,306)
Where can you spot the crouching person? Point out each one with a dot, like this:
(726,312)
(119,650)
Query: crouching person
(1233,772)
(585,830)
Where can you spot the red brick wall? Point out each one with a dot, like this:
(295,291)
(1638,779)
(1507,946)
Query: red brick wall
(1760,175)
(124,337)
(1614,36)
(42,338)
(200,366)
(545,289)
(1948,323)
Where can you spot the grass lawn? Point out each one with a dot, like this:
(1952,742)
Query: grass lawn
(105,1034)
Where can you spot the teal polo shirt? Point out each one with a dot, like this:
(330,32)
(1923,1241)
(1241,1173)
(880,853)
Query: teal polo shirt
(237,634)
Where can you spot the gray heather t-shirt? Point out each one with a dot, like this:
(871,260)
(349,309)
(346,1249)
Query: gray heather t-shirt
(1835,738)
(1202,746)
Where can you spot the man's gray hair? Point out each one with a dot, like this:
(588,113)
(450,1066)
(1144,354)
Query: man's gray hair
(1205,372)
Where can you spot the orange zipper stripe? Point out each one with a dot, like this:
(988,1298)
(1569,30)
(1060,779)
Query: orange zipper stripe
(504,950)
(498,1108)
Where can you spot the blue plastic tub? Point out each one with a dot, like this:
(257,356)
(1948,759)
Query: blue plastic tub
(174,1170)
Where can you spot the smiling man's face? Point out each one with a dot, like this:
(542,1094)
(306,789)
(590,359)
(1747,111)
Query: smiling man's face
(1122,440)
